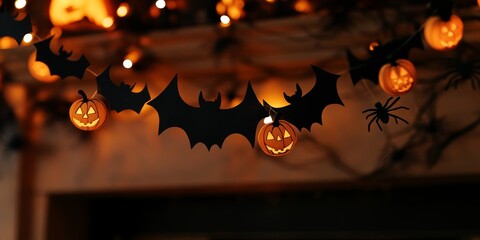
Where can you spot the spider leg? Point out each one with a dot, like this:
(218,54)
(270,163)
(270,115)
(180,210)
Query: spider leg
(370,115)
(370,123)
(393,103)
(369,110)
(402,107)
(397,117)
(386,103)
(378,124)
(475,81)
(452,78)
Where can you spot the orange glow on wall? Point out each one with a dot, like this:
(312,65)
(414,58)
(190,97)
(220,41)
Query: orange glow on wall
(64,12)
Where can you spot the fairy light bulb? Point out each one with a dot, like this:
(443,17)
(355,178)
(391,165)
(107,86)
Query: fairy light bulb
(20,4)
(160,4)
(123,10)
(28,38)
(127,63)
(225,21)
(268,120)
(107,22)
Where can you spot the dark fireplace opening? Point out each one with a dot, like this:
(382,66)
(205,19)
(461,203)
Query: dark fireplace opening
(441,211)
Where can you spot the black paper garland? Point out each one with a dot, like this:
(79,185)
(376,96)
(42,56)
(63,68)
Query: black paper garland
(306,110)
(380,55)
(208,124)
(10,27)
(60,64)
(121,97)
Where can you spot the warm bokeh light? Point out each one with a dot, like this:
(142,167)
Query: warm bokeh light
(222,9)
(7,42)
(107,22)
(64,12)
(303,6)
(28,38)
(225,21)
(231,8)
(127,63)
(123,10)
(161,4)
(373,45)
(19,4)
(154,11)
(234,12)
(270,1)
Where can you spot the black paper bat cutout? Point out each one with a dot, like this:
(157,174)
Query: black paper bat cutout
(380,55)
(305,110)
(59,64)
(121,97)
(13,28)
(208,123)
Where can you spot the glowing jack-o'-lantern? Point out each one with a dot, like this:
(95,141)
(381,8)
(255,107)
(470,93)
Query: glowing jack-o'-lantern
(443,35)
(88,114)
(277,138)
(397,78)
(63,12)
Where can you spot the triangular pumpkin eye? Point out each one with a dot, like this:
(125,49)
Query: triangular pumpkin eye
(91,110)
(79,111)
(286,135)
(393,75)
(270,136)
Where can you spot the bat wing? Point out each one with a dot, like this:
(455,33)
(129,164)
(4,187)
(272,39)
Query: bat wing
(60,65)
(14,28)
(304,111)
(243,119)
(210,126)
(391,51)
(400,48)
(360,69)
(76,68)
(121,97)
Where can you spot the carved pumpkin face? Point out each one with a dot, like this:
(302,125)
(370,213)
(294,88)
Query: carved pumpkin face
(88,114)
(443,35)
(397,79)
(277,140)
(63,12)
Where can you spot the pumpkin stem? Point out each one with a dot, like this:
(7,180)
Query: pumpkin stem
(82,93)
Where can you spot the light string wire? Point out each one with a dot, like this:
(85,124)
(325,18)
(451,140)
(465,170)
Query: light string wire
(341,73)
(86,69)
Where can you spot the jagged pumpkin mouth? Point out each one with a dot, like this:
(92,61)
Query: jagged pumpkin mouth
(280,151)
(90,124)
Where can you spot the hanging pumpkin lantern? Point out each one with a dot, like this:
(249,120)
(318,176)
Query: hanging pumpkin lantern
(88,114)
(442,34)
(397,78)
(277,138)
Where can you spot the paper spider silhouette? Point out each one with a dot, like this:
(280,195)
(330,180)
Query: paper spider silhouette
(463,70)
(383,113)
